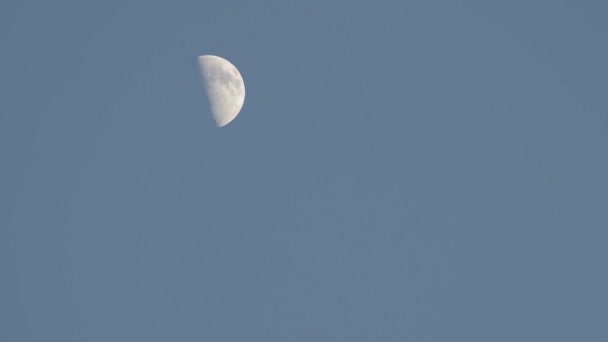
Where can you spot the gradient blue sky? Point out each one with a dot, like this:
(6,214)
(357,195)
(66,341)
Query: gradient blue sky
(400,171)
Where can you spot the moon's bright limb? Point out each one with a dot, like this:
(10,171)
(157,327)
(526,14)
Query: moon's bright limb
(224,87)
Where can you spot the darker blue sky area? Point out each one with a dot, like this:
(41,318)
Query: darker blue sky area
(400,171)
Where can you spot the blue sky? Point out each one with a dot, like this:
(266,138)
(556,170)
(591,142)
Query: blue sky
(400,171)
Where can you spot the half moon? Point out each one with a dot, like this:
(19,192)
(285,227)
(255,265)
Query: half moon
(224,87)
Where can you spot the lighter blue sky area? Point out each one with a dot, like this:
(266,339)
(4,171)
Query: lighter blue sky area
(400,171)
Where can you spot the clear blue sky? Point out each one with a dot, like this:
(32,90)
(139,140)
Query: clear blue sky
(400,171)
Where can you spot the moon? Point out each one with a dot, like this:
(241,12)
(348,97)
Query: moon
(224,87)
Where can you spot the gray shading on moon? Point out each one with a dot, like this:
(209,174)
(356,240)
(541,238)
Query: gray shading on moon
(224,87)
